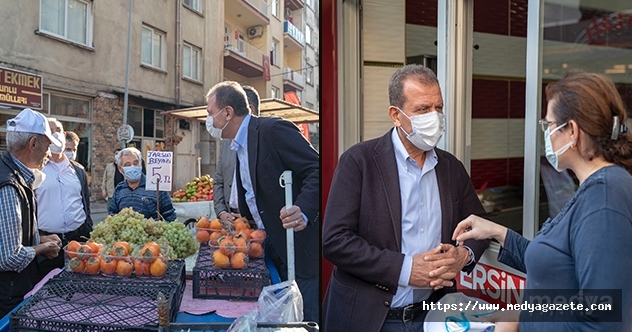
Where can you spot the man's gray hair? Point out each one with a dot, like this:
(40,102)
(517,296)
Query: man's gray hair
(56,123)
(17,141)
(128,152)
(419,73)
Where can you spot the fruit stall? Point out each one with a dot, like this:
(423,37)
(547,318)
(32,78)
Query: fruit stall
(131,276)
(195,199)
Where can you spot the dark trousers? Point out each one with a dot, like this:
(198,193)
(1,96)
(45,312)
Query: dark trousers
(309,287)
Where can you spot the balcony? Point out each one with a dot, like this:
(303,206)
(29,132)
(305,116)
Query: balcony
(294,4)
(248,12)
(242,58)
(293,37)
(292,80)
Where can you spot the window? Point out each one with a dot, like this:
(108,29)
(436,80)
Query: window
(153,48)
(68,19)
(308,35)
(309,75)
(146,122)
(273,53)
(191,62)
(226,36)
(275,8)
(193,4)
(241,43)
(276,93)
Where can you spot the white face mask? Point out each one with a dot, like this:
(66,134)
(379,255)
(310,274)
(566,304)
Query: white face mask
(427,129)
(71,155)
(214,132)
(55,149)
(39,178)
(552,156)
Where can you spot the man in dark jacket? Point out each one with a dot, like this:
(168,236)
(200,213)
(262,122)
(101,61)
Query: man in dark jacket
(28,140)
(63,199)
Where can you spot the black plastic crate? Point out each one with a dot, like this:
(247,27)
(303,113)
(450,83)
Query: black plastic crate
(221,327)
(210,282)
(62,305)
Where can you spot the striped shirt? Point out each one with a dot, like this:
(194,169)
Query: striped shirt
(13,255)
(141,200)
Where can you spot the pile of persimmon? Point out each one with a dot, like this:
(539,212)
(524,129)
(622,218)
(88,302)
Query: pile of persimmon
(83,257)
(117,260)
(150,261)
(206,228)
(234,249)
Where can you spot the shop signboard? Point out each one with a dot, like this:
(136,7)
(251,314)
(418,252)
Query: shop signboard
(159,170)
(20,89)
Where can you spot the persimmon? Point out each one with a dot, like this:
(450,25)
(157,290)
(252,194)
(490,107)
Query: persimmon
(202,236)
(215,225)
(256,250)
(220,260)
(71,248)
(226,245)
(141,268)
(95,246)
(214,236)
(84,251)
(150,251)
(245,233)
(76,265)
(258,236)
(93,265)
(124,267)
(120,248)
(239,260)
(108,265)
(158,268)
(241,244)
(203,223)
(241,224)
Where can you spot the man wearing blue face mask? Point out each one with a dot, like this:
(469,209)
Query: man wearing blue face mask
(393,204)
(133,193)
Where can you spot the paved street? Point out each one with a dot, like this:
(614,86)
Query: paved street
(99,211)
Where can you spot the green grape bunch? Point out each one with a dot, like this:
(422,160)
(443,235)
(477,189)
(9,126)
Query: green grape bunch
(131,226)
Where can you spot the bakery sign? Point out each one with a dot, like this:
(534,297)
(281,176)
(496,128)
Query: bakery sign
(20,89)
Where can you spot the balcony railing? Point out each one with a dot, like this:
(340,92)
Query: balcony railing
(244,49)
(294,32)
(293,76)
(261,6)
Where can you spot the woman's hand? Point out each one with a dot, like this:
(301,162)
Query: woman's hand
(477,228)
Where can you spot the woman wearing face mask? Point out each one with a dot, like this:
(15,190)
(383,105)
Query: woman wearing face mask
(133,193)
(585,245)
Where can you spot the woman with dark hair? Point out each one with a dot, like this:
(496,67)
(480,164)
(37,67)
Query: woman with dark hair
(585,246)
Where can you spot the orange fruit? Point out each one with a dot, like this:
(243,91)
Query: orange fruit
(241,245)
(158,268)
(256,250)
(220,260)
(121,248)
(239,260)
(150,251)
(241,224)
(108,265)
(215,235)
(93,265)
(95,246)
(226,245)
(71,248)
(124,267)
(141,268)
(84,251)
(215,225)
(76,265)
(258,236)
(203,223)
(202,236)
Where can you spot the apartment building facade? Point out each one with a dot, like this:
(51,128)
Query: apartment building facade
(178,50)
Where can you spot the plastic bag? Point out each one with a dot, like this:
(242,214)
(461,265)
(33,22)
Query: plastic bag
(280,303)
(245,323)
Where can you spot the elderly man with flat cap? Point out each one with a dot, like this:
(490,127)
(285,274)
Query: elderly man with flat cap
(28,140)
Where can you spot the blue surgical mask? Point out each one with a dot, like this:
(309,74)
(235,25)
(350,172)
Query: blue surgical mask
(552,156)
(214,132)
(132,173)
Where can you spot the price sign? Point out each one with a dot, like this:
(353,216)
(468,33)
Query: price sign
(159,170)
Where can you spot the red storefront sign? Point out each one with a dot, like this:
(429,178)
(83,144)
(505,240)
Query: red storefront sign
(20,89)
(491,284)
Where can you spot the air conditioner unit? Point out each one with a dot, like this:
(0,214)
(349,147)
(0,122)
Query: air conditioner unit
(288,13)
(255,31)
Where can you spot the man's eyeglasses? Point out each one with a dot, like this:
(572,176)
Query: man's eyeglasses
(544,124)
